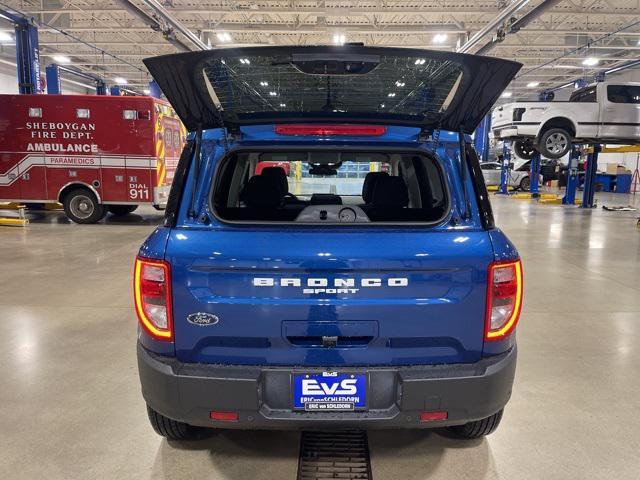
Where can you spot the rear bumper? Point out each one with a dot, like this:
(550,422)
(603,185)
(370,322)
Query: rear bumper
(262,396)
(516,130)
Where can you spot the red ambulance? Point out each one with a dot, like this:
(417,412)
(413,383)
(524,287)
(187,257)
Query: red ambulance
(94,154)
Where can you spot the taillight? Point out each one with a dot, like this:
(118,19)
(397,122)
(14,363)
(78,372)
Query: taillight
(504,299)
(152,295)
(332,130)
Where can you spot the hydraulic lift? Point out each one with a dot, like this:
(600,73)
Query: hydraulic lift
(53,79)
(573,179)
(505,171)
(27,51)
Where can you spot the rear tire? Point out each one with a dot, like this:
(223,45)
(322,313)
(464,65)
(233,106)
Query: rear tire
(524,149)
(82,206)
(555,143)
(478,428)
(171,429)
(525,184)
(119,210)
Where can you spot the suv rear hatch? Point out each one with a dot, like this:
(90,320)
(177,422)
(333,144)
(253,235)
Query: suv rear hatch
(334,295)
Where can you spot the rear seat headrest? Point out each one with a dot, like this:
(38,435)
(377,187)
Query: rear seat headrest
(280,174)
(263,192)
(390,192)
(369,185)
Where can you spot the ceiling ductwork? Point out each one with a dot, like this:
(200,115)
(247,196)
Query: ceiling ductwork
(517,25)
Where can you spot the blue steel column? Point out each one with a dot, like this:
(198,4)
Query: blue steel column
(53,79)
(534,172)
(506,166)
(115,90)
(590,178)
(101,88)
(27,56)
(154,88)
(572,177)
(481,138)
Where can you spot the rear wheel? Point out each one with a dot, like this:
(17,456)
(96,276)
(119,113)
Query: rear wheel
(119,210)
(525,184)
(171,429)
(524,149)
(478,428)
(555,143)
(82,206)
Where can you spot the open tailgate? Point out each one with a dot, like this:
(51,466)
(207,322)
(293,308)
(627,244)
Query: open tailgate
(347,84)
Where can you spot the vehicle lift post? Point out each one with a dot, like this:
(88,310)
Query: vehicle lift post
(53,79)
(590,177)
(534,185)
(154,89)
(572,177)
(504,171)
(27,52)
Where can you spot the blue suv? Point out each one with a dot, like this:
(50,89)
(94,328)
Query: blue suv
(328,256)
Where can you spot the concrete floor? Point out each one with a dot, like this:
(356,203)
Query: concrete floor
(70,405)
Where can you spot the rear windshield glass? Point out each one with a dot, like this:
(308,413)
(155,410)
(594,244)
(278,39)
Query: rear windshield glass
(409,86)
(329,187)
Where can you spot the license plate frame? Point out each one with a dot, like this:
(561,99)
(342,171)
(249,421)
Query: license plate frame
(325,383)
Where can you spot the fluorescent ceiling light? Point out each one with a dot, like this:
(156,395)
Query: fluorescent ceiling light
(146,91)
(420,61)
(245,61)
(273,94)
(120,80)
(283,104)
(392,94)
(590,61)
(61,59)
(264,84)
(506,94)
(440,38)
(339,38)
(224,37)
(533,84)
(5,37)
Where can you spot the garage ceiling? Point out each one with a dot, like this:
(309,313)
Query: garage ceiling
(545,44)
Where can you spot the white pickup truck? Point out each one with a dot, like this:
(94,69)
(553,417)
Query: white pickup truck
(604,112)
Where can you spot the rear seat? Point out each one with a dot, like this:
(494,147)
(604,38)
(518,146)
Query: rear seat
(264,199)
(281,176)
(389,203)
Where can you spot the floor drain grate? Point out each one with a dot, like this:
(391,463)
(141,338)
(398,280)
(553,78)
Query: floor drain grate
(340,454)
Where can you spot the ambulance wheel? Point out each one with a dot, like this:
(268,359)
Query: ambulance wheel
(119,210)
(81,206)
(478,428)
(171,429)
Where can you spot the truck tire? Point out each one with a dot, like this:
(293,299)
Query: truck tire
(525,184)
(524,149)
(478,428)
(82,206)
(554,143)
(119,210)
(171,429)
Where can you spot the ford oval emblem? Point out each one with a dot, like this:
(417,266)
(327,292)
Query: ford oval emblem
(202,319)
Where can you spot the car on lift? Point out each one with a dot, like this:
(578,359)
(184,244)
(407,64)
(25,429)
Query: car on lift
(604,112)
(383,296)
(518,176)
